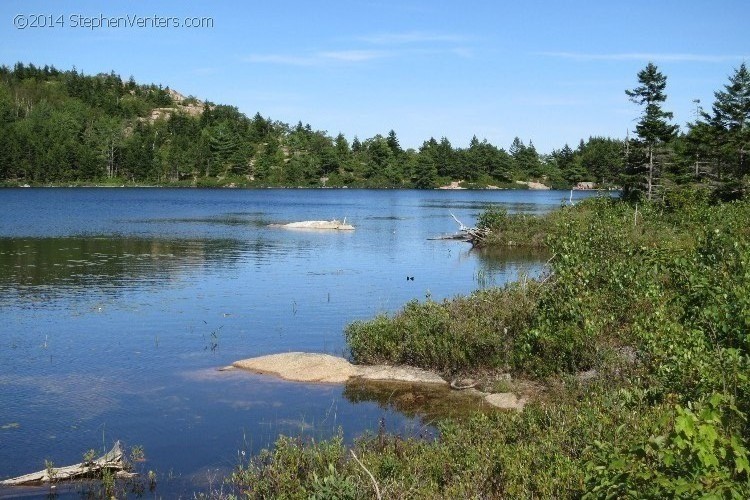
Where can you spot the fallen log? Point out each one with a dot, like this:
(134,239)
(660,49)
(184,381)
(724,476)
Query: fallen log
(113,460)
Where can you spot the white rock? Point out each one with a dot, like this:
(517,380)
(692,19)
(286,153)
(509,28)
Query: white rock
(506,400)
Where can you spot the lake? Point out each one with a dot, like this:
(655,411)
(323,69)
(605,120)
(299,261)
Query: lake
(119,305)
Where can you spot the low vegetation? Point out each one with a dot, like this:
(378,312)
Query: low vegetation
(454,336)
(653,300)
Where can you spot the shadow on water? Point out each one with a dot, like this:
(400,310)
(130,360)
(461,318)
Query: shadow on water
(480,206)
(497,265)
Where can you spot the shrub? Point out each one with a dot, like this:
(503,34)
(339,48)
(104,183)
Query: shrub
(700,455)
(473,332)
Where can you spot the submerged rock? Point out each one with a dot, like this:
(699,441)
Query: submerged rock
(324,368)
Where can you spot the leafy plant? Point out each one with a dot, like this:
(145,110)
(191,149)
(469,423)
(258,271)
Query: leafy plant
(51,471)
(332,486)
(701,455)
(137,454)
(89,456)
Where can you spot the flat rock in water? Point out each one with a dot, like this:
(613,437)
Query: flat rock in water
(311,367)
(506,400)
(318,224)
(301,367)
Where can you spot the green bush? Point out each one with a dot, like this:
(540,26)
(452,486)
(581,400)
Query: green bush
(473,332)
(297,469)
(700,455)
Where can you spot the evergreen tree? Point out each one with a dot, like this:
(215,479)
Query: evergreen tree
(223,144)
(425,171)
(446,159)
(342,147)
(731,121)
(393,143)
(602,159)
(380,160)
(526,159)
(653,128)
(701,144)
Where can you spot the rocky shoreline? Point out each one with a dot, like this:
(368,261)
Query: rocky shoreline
(327,369)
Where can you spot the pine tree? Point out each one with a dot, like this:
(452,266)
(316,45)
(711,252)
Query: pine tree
(653,128)
(393,143)
(425,170)
(731,120)
(356,145)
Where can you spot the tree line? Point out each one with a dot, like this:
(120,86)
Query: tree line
(713,153)
(63,126)
(67,127)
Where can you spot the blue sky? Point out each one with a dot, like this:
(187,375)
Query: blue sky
(547,71)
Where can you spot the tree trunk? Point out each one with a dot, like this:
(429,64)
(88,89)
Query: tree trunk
(650,171)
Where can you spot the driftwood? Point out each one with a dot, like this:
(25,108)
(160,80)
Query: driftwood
(113,460)
(473,235)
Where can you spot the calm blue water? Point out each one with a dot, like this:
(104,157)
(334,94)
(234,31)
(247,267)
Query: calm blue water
(118,306)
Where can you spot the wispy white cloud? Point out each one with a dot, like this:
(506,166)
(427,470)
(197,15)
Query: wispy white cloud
(318,58)
(283,59)
(411,37)
(372,47)
(353,55)
(645,56)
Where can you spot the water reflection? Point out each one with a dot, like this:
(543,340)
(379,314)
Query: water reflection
(479,206)
(426,402)
(250,219)
(39,269)
(499,260)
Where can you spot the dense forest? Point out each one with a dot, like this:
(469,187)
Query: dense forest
(67,127)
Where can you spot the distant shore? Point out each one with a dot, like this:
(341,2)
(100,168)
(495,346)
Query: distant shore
(455,185)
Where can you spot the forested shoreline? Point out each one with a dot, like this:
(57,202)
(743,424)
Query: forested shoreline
(67,128)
